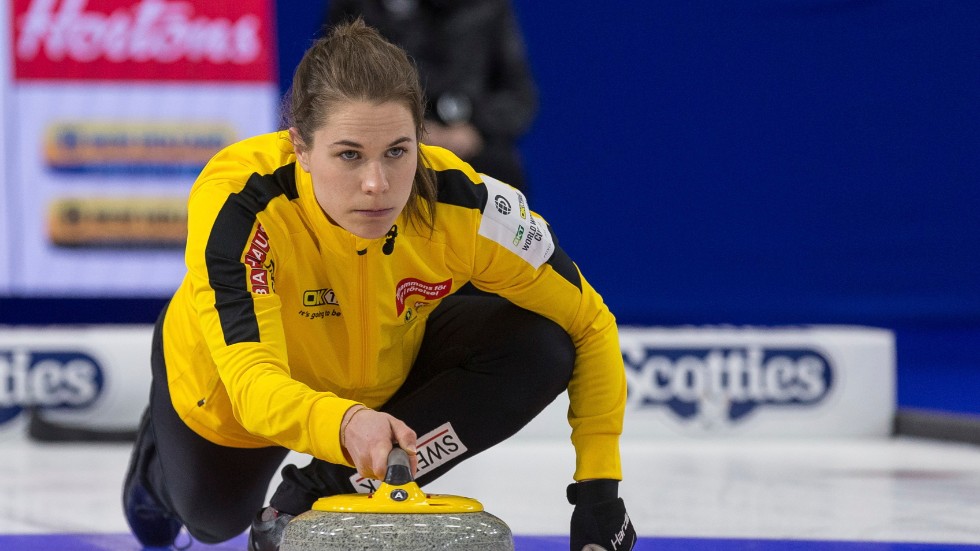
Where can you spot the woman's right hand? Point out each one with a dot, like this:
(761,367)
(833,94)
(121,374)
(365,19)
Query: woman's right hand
(369,435)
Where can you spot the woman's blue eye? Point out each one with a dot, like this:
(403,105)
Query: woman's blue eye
(396,152)
(348,155)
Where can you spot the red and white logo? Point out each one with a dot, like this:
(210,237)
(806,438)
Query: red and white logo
(255,258)
(412,286)
(218,40)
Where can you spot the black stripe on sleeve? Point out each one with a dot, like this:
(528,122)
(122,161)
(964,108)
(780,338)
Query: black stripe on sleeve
(563,264)
(229,238)
(456,188)
(285,179)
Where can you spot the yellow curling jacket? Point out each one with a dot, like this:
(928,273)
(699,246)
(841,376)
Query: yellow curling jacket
(284,320)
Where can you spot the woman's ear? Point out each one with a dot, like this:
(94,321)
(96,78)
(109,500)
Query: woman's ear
(299,147)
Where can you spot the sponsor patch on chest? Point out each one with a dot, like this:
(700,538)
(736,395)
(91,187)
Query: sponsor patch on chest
(411,286)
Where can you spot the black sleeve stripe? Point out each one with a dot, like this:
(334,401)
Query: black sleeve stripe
(226,273)
(229,238)
(456,188)
(285,178)
(563,264)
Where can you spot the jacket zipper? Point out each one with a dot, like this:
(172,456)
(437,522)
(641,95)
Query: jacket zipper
(362,297)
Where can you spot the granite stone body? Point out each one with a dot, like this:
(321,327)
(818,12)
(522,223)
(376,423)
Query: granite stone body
(338,531)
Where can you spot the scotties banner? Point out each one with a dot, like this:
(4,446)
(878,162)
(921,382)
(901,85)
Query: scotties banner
(818,381)
(701,382)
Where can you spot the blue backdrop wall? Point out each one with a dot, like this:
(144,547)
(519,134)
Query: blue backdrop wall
(752,162)
(764,162)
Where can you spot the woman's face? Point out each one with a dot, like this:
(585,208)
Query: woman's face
(362,163)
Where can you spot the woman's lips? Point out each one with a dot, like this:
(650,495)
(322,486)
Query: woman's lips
(374,213)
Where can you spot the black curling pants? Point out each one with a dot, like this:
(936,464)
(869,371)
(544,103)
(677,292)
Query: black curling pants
(485,368)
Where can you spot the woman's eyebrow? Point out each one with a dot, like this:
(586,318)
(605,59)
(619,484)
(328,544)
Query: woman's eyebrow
(351,143)
(347,143)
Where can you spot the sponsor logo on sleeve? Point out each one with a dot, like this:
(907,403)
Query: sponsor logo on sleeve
(434,448)
(719,386)
(501,204)
(411,286)
(518,230)
(261,268)
(47,379)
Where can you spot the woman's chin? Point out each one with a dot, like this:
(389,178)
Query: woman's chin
(369,229)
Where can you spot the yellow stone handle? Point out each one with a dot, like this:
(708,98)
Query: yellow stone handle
(399,493)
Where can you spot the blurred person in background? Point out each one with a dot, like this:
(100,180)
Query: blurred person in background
(320,313)
(472,60)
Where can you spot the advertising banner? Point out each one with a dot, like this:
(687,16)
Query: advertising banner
(89,378)
(783,382)
(700,382)
(117,105)
(806,381)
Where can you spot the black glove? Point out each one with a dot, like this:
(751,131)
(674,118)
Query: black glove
(600,516)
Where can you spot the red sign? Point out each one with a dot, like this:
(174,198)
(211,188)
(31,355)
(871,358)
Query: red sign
(172,40)
(413,286)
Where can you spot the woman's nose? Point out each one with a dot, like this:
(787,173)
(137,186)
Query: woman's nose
(375,180)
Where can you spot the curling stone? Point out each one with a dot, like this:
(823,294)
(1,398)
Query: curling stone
(398,515)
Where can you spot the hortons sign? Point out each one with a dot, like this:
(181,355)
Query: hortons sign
(223,40)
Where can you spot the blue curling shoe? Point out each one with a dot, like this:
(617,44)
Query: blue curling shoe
(150,522)
(152,525)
